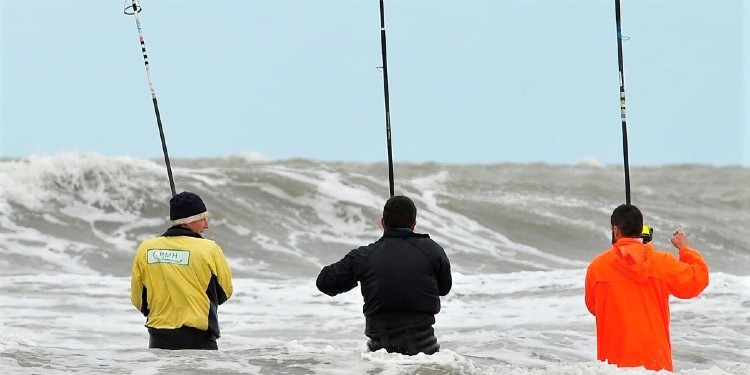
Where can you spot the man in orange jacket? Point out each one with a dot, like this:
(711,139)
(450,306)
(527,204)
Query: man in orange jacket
(628,288)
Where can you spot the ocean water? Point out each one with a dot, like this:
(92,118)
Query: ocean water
(519,237)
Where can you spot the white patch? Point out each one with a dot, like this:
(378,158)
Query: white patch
(180,257)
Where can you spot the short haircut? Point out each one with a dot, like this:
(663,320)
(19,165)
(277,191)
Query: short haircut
(399,212)
(629,219)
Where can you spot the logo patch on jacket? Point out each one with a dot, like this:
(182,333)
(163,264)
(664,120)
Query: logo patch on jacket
(179,257)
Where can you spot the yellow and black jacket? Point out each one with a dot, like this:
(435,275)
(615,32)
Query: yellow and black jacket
(179,279)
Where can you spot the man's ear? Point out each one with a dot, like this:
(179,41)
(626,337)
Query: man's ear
(616,232)
(414,224)
(382,222)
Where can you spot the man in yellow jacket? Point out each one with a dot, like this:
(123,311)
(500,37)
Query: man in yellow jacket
(180,278)
(628,289)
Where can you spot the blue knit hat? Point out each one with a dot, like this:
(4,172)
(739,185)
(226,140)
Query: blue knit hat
(186,207)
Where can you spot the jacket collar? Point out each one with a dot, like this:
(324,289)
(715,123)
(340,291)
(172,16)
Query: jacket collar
(403,233)
(179,230)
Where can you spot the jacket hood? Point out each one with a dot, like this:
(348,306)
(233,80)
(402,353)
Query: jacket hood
(633,258)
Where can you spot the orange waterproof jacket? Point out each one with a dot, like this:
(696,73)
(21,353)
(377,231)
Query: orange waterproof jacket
(628,288)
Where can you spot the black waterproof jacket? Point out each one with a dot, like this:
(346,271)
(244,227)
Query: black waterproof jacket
(403,275)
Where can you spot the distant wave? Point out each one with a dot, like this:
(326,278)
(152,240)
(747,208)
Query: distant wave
(86,213)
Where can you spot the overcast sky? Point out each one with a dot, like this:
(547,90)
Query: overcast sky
(470,81)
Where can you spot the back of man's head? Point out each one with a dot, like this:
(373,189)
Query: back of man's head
(629,219)
(186,207)
(399,212)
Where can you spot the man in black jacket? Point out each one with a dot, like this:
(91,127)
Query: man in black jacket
(403,275)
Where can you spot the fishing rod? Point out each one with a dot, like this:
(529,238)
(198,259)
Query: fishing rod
(133,10)
(647,232)
(385,92)
(623,115)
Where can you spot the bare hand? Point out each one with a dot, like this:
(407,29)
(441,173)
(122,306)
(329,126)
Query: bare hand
(678,239)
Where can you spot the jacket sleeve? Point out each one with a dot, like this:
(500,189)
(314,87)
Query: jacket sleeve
(341,276)
(137,289)
(589,291)
(223,275)
(688,276)
(445,280)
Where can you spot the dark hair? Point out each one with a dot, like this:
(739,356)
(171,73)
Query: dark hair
(629,219)
(399,212)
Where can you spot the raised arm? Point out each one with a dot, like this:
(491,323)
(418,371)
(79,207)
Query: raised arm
(688,275)
(341,276)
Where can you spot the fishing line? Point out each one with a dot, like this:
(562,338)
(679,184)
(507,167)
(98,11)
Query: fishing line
(133,10)
(623,115)
(387,101)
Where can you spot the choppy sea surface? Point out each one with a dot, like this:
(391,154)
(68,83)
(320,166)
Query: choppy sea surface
(519,237)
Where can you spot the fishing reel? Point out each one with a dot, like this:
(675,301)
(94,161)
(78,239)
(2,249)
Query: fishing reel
(647,234)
